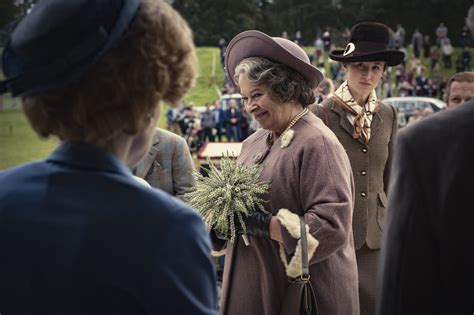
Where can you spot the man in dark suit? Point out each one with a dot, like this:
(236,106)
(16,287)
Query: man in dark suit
(233,118)
(427,264)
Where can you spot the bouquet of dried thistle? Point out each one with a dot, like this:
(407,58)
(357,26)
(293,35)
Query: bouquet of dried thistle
(228,194)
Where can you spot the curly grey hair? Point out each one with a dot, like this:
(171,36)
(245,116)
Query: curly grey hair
(285,83)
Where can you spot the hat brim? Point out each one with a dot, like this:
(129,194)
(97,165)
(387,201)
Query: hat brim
(257,44)
(31,69)
(391,57)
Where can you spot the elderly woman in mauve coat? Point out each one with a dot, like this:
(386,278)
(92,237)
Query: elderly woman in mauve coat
(310,176)
(366,128)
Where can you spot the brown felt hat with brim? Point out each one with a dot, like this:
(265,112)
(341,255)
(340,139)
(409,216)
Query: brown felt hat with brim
(257,44)
(368,41)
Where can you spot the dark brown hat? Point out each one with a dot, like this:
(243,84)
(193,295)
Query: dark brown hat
(257,44)
(368,41)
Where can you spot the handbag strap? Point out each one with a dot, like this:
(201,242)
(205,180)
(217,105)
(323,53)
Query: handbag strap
(304,250)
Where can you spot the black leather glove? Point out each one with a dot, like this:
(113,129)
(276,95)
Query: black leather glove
(220,236)
(257,224)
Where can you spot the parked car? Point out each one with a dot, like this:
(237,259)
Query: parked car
(406,105)
(225,98)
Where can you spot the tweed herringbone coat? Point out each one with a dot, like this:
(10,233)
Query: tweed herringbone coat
(370,165)
(371,168)
(168,164)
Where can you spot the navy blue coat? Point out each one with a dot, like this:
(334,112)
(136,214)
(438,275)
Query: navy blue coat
(78,235)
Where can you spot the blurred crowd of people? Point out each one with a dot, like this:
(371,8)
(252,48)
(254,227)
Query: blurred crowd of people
(420,73)
(221,121)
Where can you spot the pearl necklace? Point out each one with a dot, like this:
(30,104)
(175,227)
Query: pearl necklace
(290,125)
(297,117)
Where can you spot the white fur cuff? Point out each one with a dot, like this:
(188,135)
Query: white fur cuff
(291,222)
(217,253)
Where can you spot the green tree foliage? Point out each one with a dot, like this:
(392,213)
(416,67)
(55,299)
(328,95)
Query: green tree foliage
(8,12)
(426,15)
(211,19)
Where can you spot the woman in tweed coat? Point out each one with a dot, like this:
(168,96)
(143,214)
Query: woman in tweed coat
(366,128)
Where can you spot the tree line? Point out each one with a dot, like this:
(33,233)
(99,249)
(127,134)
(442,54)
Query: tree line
(213,19)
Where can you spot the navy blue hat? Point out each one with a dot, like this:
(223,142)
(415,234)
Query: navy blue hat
(60,40)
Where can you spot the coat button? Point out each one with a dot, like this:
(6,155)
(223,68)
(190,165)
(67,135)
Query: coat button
(364,150)
(363,194)
(363,173)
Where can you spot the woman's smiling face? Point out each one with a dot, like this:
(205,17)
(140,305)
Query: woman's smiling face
(270,113)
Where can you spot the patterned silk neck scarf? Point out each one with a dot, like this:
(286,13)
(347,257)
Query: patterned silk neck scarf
(359,116)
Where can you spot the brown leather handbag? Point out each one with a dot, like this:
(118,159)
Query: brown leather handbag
(299,296)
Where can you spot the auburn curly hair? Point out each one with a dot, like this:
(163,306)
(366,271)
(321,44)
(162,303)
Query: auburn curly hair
(154,61)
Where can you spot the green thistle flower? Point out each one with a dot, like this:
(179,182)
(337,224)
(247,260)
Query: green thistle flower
(226,195)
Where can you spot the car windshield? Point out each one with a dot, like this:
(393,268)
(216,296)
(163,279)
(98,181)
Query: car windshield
(224,100)
(405,106)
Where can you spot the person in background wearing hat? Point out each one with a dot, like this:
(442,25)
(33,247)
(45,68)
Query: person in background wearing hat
(310,176)
(78,234)
(366,128)
(460,88)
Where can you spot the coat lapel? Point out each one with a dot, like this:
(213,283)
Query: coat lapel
(343,120)
(377,121)
(145,165)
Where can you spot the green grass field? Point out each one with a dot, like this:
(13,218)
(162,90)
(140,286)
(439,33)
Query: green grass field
(210,80)
(19,144)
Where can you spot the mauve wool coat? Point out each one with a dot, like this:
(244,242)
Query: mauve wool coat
(310,177)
